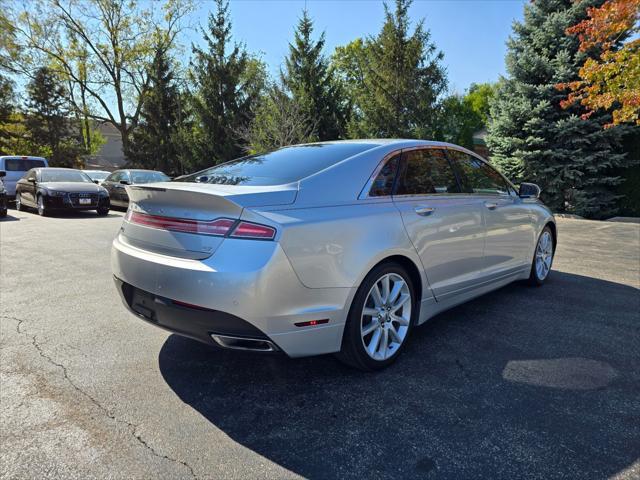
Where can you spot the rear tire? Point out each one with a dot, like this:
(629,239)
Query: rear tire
(380,320)
(542,258)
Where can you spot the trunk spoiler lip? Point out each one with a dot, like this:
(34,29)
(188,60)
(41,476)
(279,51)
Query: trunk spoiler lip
(241,195)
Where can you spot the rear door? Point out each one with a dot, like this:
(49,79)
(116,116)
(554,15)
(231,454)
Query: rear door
(444,225)
(510,231)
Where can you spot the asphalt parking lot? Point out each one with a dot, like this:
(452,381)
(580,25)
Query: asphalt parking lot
(522,383)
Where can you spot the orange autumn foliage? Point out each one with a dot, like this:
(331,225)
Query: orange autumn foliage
(612,79)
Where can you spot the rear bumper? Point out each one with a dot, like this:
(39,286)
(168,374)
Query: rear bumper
(246,289)
(197,323)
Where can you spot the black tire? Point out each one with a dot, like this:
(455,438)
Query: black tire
(18,202)
(3,213)
(535,279)
(353,351)
(42,211)
(102,211)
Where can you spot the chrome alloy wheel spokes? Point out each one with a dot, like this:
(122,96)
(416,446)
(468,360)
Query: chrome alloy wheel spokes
(544,255)
(386,315)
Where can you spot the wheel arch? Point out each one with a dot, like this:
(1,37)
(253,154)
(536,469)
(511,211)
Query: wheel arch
(554,233)
(411,268)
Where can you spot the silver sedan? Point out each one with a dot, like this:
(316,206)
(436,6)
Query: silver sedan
(336,247)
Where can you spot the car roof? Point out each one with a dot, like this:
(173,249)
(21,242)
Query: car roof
(137,170)
(399,142)
(20,157)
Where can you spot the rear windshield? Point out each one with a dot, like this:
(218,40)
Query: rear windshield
(285,165)
(63,176)
(21,164)
(148,177)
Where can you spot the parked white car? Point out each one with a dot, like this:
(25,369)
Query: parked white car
(16,167)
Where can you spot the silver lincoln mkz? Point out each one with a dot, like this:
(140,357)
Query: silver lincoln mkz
(327,247)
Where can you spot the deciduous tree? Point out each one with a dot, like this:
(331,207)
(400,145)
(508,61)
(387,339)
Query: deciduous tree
(279,121)
(609,80)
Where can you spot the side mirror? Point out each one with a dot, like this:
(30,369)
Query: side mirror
(124,182)
(32,180)
(3,173)
(97,182)
(529,190)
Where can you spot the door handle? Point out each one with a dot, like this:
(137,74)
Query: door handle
(424,211)
(491,205)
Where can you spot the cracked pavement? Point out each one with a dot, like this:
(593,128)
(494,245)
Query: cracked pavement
(526,383)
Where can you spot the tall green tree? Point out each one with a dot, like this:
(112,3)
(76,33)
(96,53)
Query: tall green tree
(400,79)
(6,109)
(532,137)
(310,80)
(228,83)
(154,143)
(47,119)
(464,115)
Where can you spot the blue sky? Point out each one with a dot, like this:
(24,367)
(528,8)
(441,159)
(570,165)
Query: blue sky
(471,33)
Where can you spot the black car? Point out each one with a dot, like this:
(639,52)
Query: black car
(3,196)
(51,189)
(116,182)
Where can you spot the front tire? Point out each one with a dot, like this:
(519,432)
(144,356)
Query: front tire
(542,258)
(18,202)
(41,208)
(380,320)
(102,211)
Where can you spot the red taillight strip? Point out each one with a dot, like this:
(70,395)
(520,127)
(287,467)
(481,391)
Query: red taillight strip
(253,230)
(219,227)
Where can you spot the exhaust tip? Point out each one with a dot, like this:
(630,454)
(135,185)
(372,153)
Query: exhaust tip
(243,343)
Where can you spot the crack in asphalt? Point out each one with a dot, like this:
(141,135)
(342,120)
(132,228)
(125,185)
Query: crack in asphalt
(133,427)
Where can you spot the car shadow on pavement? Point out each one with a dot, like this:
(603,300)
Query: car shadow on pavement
(9,218)
(521,383)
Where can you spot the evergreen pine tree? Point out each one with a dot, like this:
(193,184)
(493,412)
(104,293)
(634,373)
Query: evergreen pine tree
(401,77)
(309,79)
(47,119)
(531,137)
(6,109)
(228,83)
(153,144)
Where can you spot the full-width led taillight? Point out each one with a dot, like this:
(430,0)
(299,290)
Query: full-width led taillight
(220,227)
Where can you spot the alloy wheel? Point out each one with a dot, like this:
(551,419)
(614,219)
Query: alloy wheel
(544,255)
(386,316)
(18,202)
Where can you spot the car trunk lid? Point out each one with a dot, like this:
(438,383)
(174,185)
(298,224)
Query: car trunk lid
(182,219)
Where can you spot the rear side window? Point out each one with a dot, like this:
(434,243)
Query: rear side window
(426,171)
(477,176)
(383,184)
(21,164)
(285,165)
